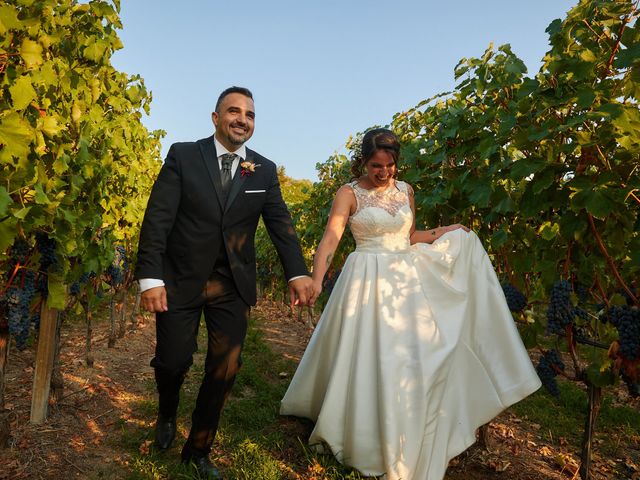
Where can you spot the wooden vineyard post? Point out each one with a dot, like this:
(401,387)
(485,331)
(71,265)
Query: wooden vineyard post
(595,402)
(44,364)
(5,425)
(4,355)
(136,308)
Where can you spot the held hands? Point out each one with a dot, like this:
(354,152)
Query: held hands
(154,300)
(301,291)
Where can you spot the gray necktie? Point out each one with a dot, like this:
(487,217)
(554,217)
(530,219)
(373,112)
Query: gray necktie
(225,174)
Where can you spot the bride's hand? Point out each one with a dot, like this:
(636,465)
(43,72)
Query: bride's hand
(316,288)
(456,226)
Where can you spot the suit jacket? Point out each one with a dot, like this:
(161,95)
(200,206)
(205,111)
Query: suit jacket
(186,222)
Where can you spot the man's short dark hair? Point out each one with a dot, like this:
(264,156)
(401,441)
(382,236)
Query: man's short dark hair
(241,90)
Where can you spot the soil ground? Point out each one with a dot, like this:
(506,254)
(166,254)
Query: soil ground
(80,438)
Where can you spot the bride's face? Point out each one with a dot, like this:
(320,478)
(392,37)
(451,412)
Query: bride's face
(380,168)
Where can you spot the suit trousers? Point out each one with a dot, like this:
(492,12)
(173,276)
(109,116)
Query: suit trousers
(225,316)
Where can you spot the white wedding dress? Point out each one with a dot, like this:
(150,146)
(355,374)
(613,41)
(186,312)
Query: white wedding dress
(415,349)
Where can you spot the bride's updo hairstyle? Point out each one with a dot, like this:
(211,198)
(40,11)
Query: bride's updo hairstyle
(372,141)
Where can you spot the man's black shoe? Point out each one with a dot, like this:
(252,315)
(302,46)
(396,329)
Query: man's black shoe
(204,467)
(165,431)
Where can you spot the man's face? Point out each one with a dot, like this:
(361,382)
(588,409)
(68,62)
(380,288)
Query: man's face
(235,120)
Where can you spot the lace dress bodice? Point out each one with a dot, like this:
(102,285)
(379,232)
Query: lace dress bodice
(382,220)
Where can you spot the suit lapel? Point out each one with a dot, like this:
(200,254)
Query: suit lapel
(238,181)
(210,159)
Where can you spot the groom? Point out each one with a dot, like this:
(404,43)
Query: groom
(196,256)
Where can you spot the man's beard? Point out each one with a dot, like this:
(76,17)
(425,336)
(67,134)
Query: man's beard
(237,140)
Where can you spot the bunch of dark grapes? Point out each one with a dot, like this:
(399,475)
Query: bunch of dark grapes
(118,268)
(548,367)
(515,298)
(627,321)
(115,275)
(84,278)
(35,320)
(18,300)
(13,300)
(19,252)
(560,312)
(582,292)
(75,288)
(121,253)
(47,248)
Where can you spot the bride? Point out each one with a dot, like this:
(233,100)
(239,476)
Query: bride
(416,347)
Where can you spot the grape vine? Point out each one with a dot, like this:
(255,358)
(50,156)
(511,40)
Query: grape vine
(77,163)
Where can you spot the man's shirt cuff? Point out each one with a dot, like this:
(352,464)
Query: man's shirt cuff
(147,283)
(294,278)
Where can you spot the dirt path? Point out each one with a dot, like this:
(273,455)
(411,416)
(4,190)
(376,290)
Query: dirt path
(80,437)
(83,434)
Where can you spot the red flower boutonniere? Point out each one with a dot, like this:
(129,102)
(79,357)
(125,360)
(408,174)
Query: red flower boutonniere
(247,168)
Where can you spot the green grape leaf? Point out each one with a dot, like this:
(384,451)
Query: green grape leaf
(627,56)
(49,126)
(586,98)
(41,197)
(95,51)
(554,27)
(15,134)
(617,300)
(499,238)
(22,213)
(8,19)
(599,205)
(8,232)
(22,92)
(588,56)
(61,164)
(31,53)
(529,336)
(549,230)
(525,167)
(5,201)
(56,291)
(600,374)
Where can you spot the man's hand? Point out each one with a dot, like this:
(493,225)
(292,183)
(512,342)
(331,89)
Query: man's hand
(300,291)
(154,300)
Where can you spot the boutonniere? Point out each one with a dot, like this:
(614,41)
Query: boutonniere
(248,168)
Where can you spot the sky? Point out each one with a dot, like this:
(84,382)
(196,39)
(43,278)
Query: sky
(319,71)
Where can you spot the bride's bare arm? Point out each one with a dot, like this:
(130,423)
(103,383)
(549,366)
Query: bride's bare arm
(343,205)
(428,236)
